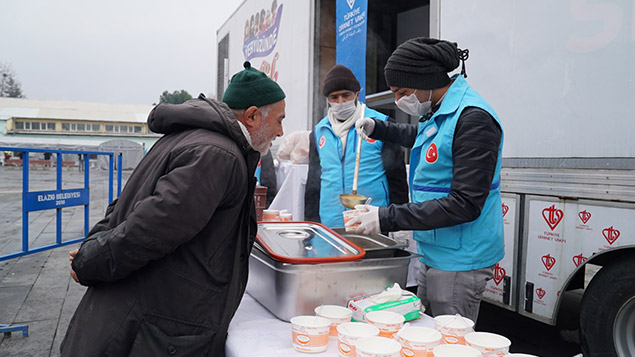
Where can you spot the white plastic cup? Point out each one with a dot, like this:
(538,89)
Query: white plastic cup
(337,315)
(418,341)
(377,347)
(453,328)
(286,217)
(488,343)
(310,333)
(455,351)
(349,332)
(348,215)
(271,215)
(387,322)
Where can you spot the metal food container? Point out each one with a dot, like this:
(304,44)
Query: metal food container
(305,243)
(375,245)
(288,289)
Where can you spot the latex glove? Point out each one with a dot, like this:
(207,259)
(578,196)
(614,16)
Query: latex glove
(369,220)
(365,127)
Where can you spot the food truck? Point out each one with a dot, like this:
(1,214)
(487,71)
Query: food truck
(560,77)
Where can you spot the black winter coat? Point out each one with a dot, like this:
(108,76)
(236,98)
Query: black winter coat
(167,267)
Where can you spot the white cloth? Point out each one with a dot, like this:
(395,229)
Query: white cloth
(392,293)
(256,332)
(291,183)
(340,128)
(243,128)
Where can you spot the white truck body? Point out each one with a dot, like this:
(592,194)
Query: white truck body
(284,53)
(560,76)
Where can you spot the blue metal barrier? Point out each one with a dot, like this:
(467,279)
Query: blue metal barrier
(59,198)
(56,199)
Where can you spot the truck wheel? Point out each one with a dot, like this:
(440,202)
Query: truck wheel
(607,311)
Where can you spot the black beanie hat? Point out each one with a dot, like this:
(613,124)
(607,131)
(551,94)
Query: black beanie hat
(251,87)
(423,63)
(339,78)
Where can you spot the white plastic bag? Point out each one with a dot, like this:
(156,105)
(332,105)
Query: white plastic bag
(294,148)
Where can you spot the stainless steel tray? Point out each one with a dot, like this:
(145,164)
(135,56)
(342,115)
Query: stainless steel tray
(305,242)
(289,290)
(369,242)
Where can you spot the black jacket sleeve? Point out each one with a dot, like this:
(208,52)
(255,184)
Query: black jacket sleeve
(396,133)
(392,157)
(313,185)
(475,152)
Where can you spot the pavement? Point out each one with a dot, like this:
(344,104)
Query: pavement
(36,289)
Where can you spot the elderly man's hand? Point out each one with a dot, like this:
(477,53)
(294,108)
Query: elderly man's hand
(369,221)
(365,127)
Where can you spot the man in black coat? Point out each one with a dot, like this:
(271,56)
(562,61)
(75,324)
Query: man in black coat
(167,267)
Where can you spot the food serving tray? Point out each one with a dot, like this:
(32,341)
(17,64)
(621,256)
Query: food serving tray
(370,242)
(289,290)
(305,243)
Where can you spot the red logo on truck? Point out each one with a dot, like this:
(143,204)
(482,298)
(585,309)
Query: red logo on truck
(431,154)
(584,216)
(548,261)
(552,216)
(611,234)
(499,274)
(541,293)
(505,209)
(579,259)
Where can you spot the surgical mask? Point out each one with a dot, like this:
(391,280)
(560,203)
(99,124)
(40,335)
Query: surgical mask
(343,111)
(411,105)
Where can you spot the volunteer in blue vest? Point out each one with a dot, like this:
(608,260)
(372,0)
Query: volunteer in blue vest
(455,164)
(332,151)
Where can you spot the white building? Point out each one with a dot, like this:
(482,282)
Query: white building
(50,124)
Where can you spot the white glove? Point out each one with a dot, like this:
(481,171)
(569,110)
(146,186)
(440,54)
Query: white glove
(365,127)
(369,220)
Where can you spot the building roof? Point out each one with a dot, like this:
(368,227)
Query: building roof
(67,110)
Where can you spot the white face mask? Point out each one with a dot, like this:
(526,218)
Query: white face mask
(411,105)
(343,111)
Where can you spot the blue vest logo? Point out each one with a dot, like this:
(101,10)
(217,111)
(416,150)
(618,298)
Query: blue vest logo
(322,141)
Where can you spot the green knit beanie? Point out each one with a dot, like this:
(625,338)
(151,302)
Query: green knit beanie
(251,87)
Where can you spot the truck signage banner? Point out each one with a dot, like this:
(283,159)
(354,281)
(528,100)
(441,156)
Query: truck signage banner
(43,200)
(351,27)
(276,37)
(495,288)
(261,37)
(562,235)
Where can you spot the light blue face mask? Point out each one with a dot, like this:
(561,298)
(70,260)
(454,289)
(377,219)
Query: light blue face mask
(343,111)
(411,105)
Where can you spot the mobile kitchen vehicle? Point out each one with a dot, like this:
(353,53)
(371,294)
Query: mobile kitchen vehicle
(561,77)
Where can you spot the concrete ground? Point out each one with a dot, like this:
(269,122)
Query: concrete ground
(36,289)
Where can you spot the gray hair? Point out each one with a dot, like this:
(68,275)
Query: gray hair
(264,110)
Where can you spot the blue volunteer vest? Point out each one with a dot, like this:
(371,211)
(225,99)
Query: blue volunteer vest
(338,168)
(468,246)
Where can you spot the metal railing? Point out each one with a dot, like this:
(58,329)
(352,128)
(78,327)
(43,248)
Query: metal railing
(59,198)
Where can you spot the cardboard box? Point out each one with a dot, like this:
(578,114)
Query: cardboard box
(409,305)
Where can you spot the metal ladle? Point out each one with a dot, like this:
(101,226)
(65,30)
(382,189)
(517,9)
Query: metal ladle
(348,200)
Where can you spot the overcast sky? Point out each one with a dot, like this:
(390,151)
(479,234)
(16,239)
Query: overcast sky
(115,51)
